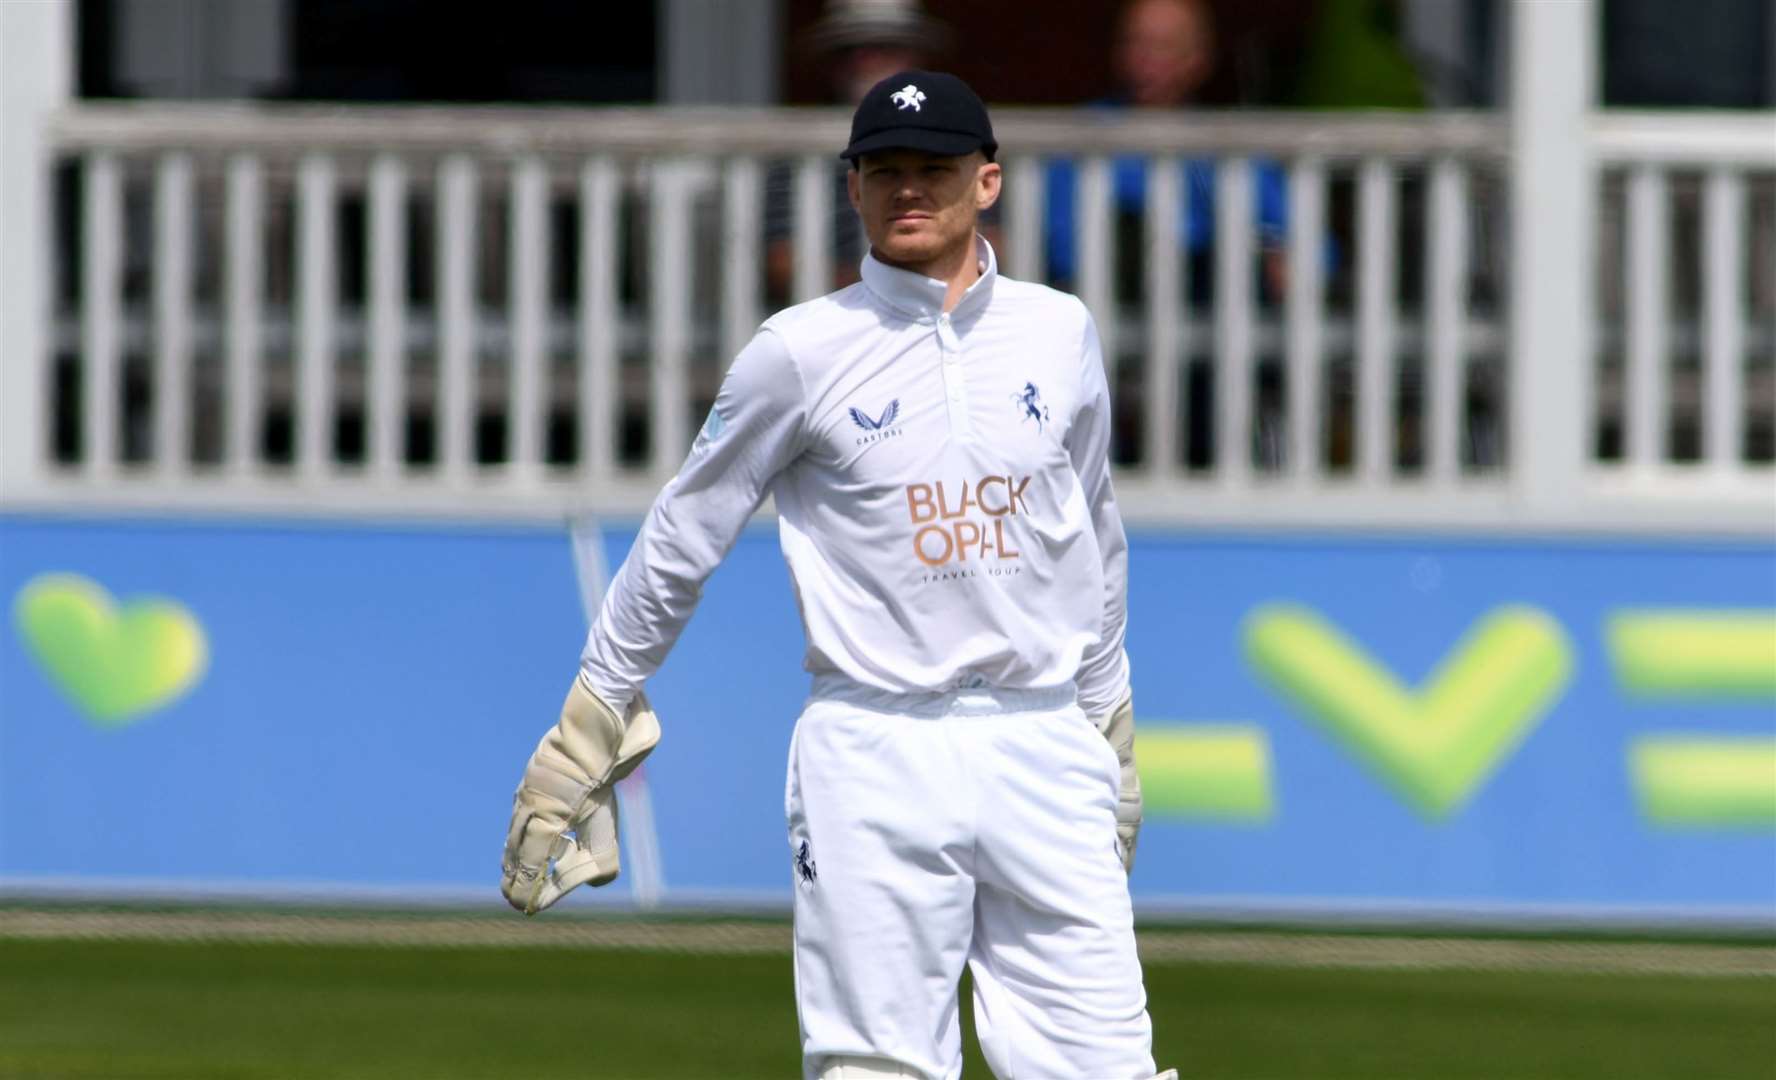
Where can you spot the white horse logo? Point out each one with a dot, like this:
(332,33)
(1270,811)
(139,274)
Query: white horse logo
(908,97)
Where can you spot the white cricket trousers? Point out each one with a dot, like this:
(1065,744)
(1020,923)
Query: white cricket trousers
(976,827)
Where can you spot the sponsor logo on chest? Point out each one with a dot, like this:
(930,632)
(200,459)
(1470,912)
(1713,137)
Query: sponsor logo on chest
(973,526)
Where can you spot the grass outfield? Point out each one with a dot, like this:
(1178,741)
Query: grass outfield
(130,1010)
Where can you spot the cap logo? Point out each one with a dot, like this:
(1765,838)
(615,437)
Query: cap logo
(908,97)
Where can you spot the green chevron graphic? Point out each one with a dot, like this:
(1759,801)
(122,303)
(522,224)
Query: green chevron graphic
(1706,782)
(1214,771)
(1694,653)
(1434,747)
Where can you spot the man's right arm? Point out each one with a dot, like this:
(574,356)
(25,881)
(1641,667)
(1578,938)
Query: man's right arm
(754,431)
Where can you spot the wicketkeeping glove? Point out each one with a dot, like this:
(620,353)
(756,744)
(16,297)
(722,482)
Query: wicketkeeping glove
(1118,726)
(570,787)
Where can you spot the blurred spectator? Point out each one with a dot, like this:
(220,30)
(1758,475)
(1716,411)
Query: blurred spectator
(1164,54)
(863,42)
(867,40)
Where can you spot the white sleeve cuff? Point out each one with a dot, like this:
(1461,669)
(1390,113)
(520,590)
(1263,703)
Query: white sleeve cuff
(612,692)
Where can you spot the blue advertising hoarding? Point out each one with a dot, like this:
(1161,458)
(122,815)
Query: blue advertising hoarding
(1327,724)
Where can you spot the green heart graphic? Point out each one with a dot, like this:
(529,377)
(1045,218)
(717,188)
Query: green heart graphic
(114,663)
(1437,746)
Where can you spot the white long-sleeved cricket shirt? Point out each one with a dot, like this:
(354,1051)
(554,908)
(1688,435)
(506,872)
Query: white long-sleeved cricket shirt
(942,486)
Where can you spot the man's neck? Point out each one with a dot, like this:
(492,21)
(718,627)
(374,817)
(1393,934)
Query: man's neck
(958,269)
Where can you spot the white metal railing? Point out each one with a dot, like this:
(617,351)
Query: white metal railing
(1372,388)
(1694,386)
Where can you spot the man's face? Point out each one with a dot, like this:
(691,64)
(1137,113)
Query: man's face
(1164,51)
(918,206)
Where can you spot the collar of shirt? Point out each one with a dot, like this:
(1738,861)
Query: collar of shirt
(922,298)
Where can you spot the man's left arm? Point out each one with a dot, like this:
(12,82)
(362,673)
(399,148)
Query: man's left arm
(1103,678)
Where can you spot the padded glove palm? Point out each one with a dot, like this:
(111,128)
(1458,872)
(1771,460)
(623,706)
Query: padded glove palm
(569,787)
(1118,726)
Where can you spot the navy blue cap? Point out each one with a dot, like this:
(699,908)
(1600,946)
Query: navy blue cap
(921,110)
